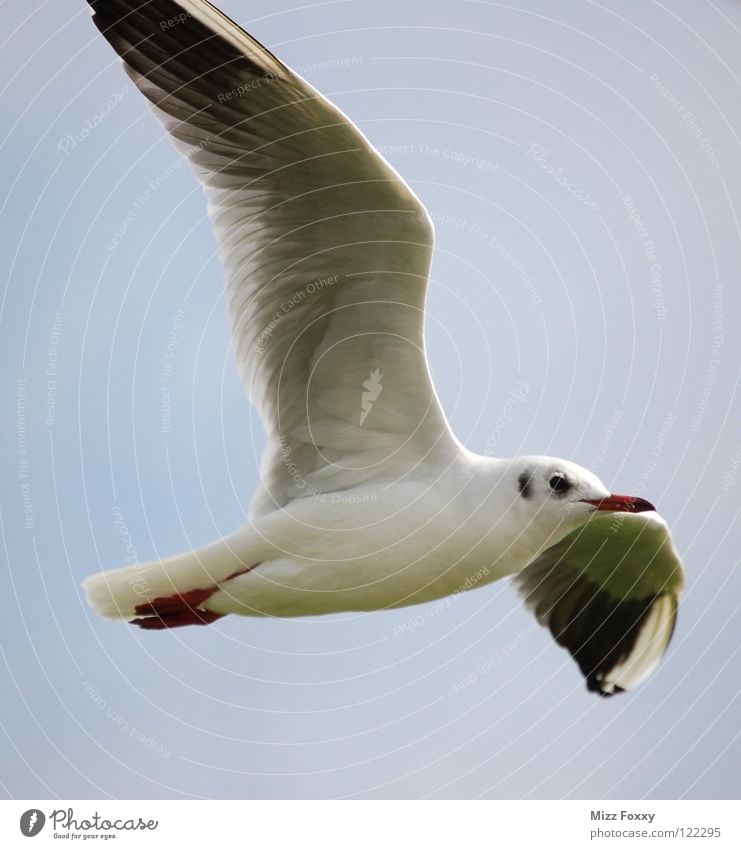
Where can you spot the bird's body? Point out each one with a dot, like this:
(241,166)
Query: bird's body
(367,500)
(366,548)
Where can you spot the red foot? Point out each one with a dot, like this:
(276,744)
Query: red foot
(177,620)
(174,611)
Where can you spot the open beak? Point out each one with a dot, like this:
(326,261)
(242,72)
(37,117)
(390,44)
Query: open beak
(621,504)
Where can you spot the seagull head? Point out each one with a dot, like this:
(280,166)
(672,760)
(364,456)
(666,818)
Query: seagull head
(559,496)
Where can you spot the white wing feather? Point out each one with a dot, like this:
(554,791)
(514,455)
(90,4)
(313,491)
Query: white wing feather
(326,250)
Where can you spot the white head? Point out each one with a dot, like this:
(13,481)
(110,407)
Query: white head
(557,496)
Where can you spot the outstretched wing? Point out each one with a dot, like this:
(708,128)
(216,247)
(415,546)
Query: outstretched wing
(609,592)
(326,249)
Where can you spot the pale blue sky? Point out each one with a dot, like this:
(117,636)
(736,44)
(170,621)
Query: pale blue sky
(532,132)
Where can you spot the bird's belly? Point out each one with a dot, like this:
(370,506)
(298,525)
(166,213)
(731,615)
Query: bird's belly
(294,587)
(408,545)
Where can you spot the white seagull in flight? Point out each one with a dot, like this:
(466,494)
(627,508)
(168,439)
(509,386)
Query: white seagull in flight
(367,500)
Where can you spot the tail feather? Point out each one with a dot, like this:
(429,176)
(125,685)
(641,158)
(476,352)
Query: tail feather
(173,587)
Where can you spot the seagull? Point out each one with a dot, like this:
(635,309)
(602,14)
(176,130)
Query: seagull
(367,500)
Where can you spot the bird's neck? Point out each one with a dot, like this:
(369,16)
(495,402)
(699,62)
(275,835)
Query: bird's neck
(509,528)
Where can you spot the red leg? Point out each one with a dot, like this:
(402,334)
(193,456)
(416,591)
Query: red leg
(177,620)
(174,611)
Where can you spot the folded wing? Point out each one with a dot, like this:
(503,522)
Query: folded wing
(609,592)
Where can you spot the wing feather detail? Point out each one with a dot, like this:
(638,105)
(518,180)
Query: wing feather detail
(326,250)
(608,592)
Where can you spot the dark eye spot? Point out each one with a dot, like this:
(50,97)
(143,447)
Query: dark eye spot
(559,483)
(524,484)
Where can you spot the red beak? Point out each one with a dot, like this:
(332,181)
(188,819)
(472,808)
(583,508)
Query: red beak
(621,504)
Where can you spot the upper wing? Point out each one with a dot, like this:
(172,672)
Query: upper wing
(326,249)
(609,593)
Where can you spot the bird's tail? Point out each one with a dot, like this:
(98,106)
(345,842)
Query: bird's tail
(170,592)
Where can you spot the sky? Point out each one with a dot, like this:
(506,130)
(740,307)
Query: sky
(581,164)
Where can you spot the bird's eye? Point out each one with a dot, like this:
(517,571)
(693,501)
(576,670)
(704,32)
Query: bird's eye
(559,483)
